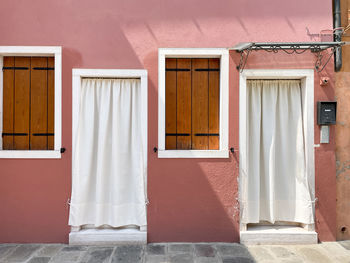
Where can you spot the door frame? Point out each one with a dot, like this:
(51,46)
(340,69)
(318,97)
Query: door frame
(79,73)
(306,77)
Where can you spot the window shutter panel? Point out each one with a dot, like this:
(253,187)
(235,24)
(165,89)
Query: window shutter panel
(200,104)
(183,104)
(8,103)
(51,104)
(22,102)
(38,105)
(214,100)
(170,104)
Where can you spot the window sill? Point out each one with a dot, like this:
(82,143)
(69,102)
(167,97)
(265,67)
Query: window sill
(193,154)
(16,154)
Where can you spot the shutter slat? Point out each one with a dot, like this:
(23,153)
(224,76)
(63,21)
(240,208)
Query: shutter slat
(214,100)
(183,104)
(38,107)
(199,104)
(8,102)
(170,104)
(51,103)
(22,102)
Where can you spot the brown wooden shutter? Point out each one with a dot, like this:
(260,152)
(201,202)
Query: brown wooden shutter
(22,103)
(214,103)
(183,104)
(38,105)
(8,103)
(192,103)
(170,106)
(51,103)
(28,103)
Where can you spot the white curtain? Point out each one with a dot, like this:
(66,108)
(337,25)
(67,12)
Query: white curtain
(275,186)
(108,160)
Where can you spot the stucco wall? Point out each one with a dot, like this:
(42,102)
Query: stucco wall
(190,199)
(342,92)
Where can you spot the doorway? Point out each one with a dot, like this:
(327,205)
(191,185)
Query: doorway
(276,156)
(109,160)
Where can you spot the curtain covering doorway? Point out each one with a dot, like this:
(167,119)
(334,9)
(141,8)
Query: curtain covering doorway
(275,186)
(109,171)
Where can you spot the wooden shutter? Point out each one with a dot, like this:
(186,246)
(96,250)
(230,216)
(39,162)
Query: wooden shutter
(38,105)
(22,103)
(8,103)
(183,122)
(50,103)
(192,103)
(170,106)
(28,99)
(214,103)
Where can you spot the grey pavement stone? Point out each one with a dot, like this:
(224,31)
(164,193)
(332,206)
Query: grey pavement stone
(204,250)
(180,248)
(235,250)
(260,253)
(336,251)
(5,249)
(156,249)
(67,256)
(127,254)
(49,250)
(289,260)
(75,248)
(156,259)
(39,260)
(21,253)
(181,258)
(98,255)
(345,244)
(207,260)
(237,260)
(314,255)
(281,252)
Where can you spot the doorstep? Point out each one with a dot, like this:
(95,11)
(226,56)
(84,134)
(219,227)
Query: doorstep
(273,235)
(107,237)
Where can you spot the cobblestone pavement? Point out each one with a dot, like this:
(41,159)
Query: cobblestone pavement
(176,253)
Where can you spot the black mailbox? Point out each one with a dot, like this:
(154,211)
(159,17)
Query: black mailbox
(326,112)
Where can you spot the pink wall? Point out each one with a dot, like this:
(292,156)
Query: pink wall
(190,200)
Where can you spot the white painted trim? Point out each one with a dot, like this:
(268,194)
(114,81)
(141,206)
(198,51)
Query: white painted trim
(192,154)
(49,51)
(33,154)
(307,85)
(221,53)
(78,74)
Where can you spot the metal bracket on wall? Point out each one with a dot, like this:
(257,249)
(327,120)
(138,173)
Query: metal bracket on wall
(289,48)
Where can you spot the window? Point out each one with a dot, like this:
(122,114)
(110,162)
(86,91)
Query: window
(30,102)
(193,103)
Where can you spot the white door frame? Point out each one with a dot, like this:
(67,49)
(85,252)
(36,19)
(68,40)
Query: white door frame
(307,87)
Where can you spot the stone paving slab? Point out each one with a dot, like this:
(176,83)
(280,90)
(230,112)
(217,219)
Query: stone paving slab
(176,253)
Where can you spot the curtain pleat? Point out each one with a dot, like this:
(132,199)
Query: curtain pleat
(108,169)
(275,186)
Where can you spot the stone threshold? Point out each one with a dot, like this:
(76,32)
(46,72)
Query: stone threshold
(274,234)
(107,237)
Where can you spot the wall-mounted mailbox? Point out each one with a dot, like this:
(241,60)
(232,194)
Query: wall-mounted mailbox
(326,112)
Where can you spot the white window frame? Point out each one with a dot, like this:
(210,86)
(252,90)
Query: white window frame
(79,73)
(33,51)
(221,53)
(306,77)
